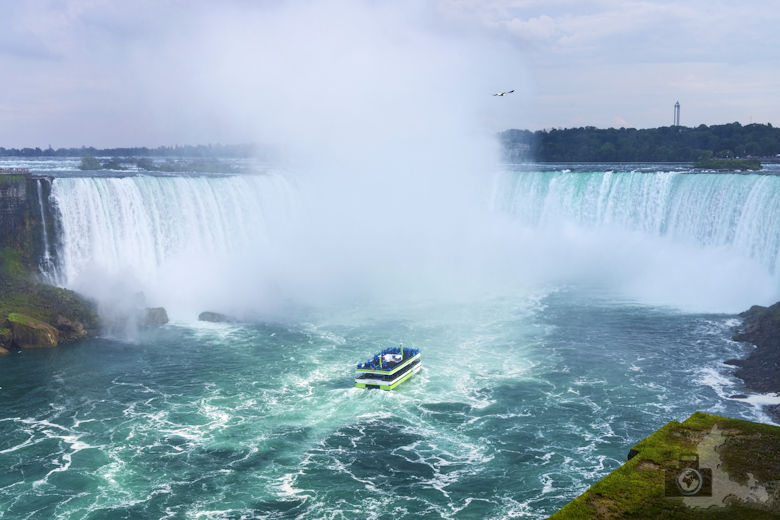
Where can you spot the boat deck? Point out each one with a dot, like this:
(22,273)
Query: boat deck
(388,369)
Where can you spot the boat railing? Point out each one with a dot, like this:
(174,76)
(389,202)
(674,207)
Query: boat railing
(375,364)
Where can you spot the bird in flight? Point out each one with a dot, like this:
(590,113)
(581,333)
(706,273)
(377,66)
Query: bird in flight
(504,93)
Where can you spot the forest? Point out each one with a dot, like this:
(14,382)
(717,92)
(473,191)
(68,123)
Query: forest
(210,150)
(664,144)
(585,144)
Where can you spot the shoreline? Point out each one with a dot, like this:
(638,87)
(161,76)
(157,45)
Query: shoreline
(760,368)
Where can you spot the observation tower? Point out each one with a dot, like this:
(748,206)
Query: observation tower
(677,114)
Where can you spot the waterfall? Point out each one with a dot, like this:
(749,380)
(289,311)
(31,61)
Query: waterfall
(737,212)
(47,264)
(167,236)
(244,242)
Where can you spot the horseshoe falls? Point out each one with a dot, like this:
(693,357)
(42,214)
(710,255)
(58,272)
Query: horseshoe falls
(704,241)
(717,210)
(569,316)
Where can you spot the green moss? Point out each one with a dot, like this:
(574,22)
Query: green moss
(15,317)
(11,178)
(11,262)
(636,489)
(21,295)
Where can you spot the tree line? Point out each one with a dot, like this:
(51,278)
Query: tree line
(664,144)
(210,150)
(585,144)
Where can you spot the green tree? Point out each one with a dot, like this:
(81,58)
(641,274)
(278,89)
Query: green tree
(89,162)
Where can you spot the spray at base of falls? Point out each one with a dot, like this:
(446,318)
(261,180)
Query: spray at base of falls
(246,243)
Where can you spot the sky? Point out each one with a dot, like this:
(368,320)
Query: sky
(166,72)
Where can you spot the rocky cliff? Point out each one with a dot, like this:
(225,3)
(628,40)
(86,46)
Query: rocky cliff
(34,314)
(761,369)
(24,215)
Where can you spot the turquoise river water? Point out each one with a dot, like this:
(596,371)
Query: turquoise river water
(526,397)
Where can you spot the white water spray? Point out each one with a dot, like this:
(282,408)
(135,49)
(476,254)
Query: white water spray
(250,243)
(386,126)
(189,243)
(697,241)
(736,212)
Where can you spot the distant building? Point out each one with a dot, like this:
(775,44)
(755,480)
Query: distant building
(677,114)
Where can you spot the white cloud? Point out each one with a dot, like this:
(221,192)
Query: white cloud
(700,27)
(92,70)
(586,58)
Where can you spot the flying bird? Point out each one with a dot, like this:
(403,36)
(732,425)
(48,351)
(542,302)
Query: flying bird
(504,93)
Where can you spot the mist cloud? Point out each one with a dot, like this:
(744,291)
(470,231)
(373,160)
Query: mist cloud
(383,113)
(191,72)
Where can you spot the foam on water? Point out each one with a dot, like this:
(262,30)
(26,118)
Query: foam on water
(758,402)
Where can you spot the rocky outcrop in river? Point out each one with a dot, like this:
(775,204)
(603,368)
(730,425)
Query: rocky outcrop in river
(37,315)
(216,317)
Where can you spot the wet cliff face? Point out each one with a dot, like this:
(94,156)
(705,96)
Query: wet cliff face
(15,222)
(33,314)
(24,208)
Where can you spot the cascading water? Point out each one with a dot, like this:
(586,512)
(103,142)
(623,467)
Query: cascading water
(206,241)
(160,233)
(740,213)
(47,264)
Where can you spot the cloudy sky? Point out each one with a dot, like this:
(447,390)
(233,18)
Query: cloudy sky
(162,72)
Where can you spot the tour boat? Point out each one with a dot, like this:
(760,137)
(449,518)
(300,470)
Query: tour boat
(389,368)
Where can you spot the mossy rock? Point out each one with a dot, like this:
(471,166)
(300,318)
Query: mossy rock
(6,340)
(69,329)
(29,332)
(638,488)
(62,308)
